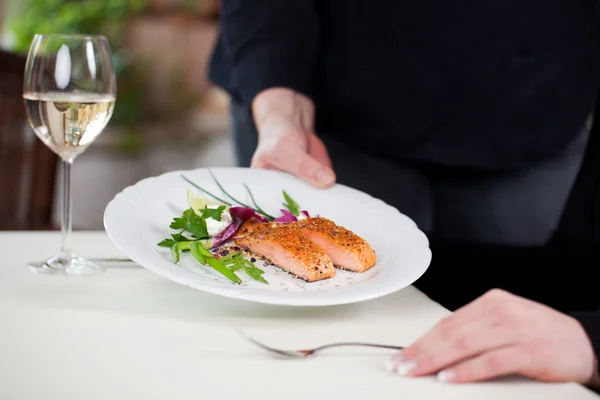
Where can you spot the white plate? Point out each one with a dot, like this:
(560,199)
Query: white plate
(139,217)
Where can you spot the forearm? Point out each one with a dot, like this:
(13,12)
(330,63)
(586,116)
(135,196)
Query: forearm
(277,102)
(270,43)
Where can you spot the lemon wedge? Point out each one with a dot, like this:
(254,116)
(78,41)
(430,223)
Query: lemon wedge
(197,202)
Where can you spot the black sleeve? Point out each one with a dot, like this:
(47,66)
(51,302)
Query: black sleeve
(591,324)
(269,43)
(562,278)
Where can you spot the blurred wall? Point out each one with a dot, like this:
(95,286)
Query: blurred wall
(2,15)
(175,52)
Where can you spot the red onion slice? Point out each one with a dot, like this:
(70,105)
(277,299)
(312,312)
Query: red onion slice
(287,217)
(239,215)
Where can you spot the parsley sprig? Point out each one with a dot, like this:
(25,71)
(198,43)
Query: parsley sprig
(175,238)
(192,223)
(195,224)
(214,213)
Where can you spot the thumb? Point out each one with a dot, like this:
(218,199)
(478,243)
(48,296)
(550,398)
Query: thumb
(312,171)
(318,150)
(296,161)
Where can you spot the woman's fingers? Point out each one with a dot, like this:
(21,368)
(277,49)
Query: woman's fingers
(475,340)
(492,364)
(285,153)
(502,334)
(318,150)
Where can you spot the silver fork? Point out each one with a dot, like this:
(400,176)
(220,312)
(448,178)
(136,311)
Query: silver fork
(112,260)
(308,352)
(116,261)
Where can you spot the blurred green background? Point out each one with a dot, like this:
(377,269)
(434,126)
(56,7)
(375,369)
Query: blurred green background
(25,18)
(113,18)
(168,116)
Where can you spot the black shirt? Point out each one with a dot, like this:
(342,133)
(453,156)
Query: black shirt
(481,83)
(560,276)
(477,83)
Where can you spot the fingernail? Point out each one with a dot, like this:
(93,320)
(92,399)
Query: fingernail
(389,365)
(405,367)
(445,376)
(324,176)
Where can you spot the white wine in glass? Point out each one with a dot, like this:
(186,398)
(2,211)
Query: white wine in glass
(69,94)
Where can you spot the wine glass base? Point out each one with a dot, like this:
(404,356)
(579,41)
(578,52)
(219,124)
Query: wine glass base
(66,265)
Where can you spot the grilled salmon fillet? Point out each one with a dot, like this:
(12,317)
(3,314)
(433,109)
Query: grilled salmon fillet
(286,247)
(250,226)
(346,249)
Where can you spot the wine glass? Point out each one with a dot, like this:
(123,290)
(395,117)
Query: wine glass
(69,93)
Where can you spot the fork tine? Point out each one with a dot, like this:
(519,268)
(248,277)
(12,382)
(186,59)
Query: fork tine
(241,332)
(286,353)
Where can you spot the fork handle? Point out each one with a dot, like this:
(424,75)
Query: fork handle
(353,344)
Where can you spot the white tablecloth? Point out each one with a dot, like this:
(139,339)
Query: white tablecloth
(129,334)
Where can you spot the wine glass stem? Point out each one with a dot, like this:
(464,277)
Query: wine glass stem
(66,222)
